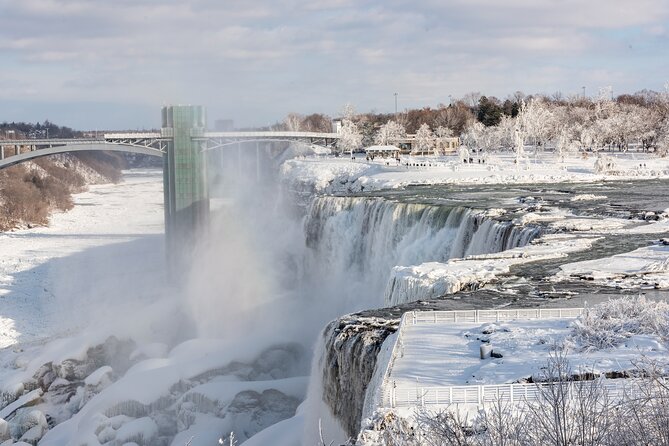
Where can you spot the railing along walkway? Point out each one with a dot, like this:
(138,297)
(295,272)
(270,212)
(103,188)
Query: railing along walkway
(392,396)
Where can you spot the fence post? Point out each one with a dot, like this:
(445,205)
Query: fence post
(476,316)
(511,393)
(450,395)
(560,312)
(479,393)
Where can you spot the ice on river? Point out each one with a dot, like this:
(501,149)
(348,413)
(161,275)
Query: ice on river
(52,282)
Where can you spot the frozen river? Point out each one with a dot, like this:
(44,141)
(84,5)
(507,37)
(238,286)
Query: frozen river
(106,249)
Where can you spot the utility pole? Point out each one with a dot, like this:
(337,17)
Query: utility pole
(395,104)
(583,92)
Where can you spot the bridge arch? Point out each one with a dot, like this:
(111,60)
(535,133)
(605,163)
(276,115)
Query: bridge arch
(56,150)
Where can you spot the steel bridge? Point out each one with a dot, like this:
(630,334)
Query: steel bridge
(15,151)
(183,143)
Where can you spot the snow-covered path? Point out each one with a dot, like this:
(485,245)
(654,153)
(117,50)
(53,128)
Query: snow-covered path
(53,279)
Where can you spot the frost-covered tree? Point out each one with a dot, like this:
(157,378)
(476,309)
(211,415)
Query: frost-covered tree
(293,122)
(390,133)
(537,123)
(350,136)
(348,112)
(441,135)
(473,135)
(520,133)
(424,139)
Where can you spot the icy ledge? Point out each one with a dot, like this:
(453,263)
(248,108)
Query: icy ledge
(433,279)
(646,267)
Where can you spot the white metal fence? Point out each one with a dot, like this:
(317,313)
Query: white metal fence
(476,316)
(392,396)
(511,393)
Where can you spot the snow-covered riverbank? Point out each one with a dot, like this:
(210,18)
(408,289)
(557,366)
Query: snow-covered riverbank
(341,175)
(53,279)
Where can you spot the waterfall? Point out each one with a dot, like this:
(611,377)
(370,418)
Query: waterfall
(355,242)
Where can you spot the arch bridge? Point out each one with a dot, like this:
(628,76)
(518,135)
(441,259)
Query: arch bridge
(182,143)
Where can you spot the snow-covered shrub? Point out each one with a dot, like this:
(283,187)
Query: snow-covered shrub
(610,323)
(604,164)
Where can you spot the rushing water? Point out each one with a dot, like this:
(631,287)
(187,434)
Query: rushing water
(354,242)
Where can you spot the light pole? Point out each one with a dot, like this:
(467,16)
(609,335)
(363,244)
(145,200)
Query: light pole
(395,104)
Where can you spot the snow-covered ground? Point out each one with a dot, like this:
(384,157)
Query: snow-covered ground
(53,279)
(646,267)
(448,354)
(435,352)
(340,175)
(98,347)
(99,271)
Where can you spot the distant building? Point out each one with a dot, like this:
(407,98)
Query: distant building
(448,145)
(383,151)
(444,145)
(224,125)
(9,134)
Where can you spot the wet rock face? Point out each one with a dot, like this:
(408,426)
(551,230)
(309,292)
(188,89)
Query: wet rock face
(277,362)
(112,352)
(261,410)
(351,347)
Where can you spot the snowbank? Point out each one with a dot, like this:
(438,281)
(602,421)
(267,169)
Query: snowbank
(646,267)
(433,279)
(345,175)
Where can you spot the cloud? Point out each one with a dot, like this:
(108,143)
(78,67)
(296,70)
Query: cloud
(255,61)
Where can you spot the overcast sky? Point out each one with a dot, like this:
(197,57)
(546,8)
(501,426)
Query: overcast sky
(111,64)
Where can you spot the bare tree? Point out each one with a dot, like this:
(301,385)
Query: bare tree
(446,427)
(569,412)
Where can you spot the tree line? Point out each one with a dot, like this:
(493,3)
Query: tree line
(37,130)
(487,123)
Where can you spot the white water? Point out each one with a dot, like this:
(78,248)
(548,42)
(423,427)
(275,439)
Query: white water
(355,242)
